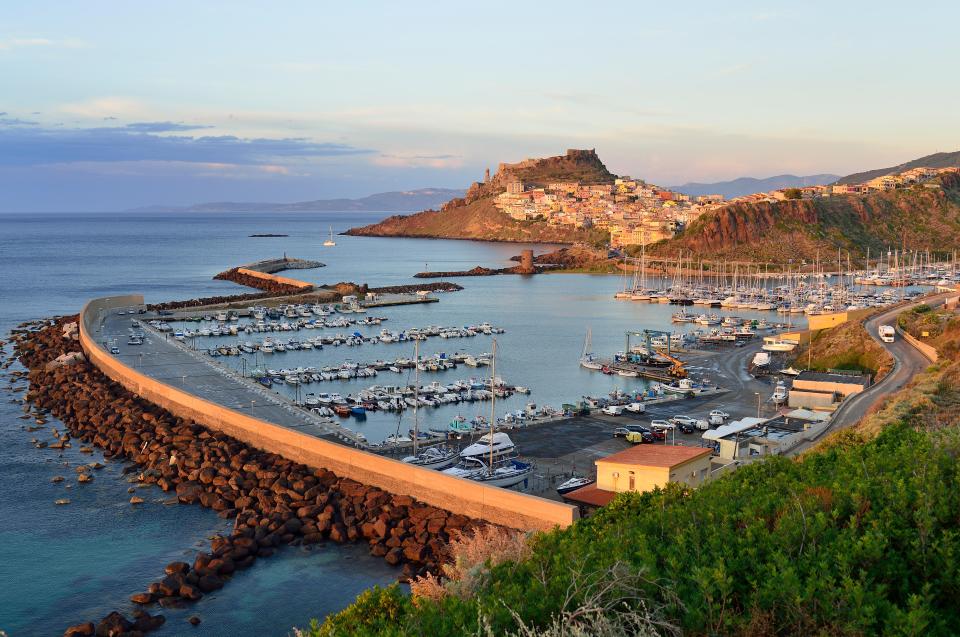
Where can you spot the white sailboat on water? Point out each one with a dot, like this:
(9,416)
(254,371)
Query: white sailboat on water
(330,242)
(586,357)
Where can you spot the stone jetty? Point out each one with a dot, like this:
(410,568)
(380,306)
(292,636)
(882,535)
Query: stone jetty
(265,282)
(273,501)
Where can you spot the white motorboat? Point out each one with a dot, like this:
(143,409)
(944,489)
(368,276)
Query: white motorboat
(779,393)
(499,444)
(506,474)
(776,345)
(437,458)
(573,484)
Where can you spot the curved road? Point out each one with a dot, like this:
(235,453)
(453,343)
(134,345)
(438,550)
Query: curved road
(908,362)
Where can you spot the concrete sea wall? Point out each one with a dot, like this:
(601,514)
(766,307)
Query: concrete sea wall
(499,506)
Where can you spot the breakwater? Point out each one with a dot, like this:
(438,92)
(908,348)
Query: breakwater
(274,501)
(214,300)
(272,266)
(442,286)
(482,271)
(271,283)
(498,506)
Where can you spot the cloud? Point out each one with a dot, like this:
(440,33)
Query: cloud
(103,107)
(734,69)
(161,127)
(165,169)
(23,43)
(418,161)
(39,145)
(16,121)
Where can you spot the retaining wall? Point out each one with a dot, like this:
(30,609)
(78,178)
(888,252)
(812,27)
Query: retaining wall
(499,506)
(928,351)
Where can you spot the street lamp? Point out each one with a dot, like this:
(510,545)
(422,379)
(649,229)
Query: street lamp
(758,403)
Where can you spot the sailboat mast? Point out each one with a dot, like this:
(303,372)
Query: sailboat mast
(416,394)
(493,399)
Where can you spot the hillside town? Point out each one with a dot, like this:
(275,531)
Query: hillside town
(635,212)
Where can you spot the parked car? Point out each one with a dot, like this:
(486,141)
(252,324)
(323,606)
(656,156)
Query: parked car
(684,420)
(613,410)
(660,424)
(714,420)
(686,429)
(621,432)
(630,428)
(702,424)
(114,350)
(641,437)
(636,408)
(720,414)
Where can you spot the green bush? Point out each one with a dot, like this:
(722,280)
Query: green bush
(858,539)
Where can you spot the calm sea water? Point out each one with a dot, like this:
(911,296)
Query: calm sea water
(59,565)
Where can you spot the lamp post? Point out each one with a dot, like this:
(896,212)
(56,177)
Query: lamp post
(758,403)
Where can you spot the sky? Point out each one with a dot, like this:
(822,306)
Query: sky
(112,105)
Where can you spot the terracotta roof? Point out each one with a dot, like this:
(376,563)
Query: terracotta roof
(591,495)
(657,455)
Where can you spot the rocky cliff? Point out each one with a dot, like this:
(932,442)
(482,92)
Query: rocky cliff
(917,218)
(478,220)
(474,216)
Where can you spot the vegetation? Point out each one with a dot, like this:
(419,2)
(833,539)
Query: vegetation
(858,539)
(792,193)
(801,229)
(846,346)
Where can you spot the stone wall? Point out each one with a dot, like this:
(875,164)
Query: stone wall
(499,506)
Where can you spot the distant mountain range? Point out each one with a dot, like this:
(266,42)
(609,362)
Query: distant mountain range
(750,185)
(396,201)
(936,160)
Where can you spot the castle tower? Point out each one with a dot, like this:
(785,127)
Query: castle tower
(486,176)
(526,262)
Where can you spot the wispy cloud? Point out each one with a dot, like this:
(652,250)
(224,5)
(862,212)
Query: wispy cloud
(735,69)
(162,127)
(165,169)
(38,145)
(11,44)
(418,161)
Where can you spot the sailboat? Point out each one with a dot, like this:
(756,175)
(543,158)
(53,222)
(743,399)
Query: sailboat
(330,242)
(586,357)
(503,471)
(432,457)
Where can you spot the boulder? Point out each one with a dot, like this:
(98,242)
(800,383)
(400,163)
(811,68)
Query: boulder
(80,630)
(176,567)
(189,492)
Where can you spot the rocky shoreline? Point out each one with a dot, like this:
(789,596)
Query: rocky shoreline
(273,501)
(443,286)
(482,271)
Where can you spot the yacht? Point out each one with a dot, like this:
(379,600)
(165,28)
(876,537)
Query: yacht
(498,444)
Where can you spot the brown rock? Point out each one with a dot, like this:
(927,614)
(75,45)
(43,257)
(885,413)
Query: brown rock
(189,492)
(176,567)
(141,598)
(393,556)
(80,630)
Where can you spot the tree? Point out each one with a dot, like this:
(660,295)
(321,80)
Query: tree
(792,193)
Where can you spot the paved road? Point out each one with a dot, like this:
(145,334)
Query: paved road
(908,362)
(160,357)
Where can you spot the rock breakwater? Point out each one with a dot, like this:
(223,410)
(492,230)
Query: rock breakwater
(264,282)
(273,501)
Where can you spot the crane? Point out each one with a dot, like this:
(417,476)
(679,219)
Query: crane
(677,370)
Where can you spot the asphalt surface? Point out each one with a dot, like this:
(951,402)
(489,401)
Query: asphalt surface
(161,358)
(908,362)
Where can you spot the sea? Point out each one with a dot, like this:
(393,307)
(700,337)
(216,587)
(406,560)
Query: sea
(60,565)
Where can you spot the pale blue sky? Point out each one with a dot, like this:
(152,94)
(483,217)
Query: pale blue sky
(108,105)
